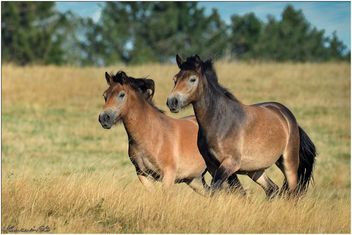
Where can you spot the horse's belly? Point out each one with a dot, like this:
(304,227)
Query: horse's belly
(261,158)
(252,163)
(262,152)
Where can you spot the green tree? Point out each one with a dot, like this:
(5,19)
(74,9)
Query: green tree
(267,48)
(313,47)
(214,38)
(176,27)
(245,33)
(30,33)
(292,38)
(110,40)
(139,32)
(336,48)
(92,45)
(291,35)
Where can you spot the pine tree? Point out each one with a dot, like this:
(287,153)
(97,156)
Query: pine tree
(30,33)
(336,48)
(245,32)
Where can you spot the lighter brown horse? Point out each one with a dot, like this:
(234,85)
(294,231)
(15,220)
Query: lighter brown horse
(238,138)
(160,147)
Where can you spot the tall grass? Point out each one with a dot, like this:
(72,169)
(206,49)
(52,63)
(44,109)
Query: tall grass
(61,169)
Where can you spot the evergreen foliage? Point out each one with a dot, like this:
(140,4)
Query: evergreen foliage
(141,32)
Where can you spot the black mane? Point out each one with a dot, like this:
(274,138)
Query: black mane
(207,69)
(210,74)
(122,78)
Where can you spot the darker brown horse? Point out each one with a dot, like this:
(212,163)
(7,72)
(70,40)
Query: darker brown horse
(160,147)
(238,138)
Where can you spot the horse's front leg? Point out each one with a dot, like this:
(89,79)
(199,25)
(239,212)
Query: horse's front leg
(235,185)
(228,166)
(147,181)
(169,178)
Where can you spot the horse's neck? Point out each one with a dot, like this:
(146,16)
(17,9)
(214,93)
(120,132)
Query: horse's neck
(140,120)
(213,107)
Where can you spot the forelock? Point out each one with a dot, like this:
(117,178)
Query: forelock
(189,64)
(120,77)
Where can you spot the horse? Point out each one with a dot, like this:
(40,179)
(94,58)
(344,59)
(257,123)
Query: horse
(161,148)
(246,139)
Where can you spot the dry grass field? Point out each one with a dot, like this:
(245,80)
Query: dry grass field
(61,169)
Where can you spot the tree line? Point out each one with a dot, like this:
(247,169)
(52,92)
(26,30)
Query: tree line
(140,32)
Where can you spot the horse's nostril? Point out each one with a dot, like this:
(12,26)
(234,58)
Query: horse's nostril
(172,103)
(106,117)
(175,102)
(169,102)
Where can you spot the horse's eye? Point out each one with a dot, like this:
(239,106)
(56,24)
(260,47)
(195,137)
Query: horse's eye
(121,95)
(192,80)
(104,95)
(175,80)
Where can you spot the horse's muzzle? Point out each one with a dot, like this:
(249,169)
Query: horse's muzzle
(106,120)
(173,104)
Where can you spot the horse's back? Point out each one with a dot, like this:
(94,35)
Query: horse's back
(278,106)
(188,124)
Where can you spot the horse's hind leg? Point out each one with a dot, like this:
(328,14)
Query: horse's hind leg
(235,185)
(290,167)
(280,165)
(270,188)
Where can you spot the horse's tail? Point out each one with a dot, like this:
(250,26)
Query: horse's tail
(307,154)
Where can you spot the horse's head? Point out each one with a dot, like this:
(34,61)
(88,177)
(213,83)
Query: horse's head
(116,97)
(187,83)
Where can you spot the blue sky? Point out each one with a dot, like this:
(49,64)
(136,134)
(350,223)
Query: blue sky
(330,16)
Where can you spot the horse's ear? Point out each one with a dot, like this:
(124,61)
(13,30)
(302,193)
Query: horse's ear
(179,60)
(108,78)
(197,62)
(150,88)
(197,58)
(145,86)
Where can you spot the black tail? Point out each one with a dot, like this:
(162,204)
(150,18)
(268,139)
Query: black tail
(307,154)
